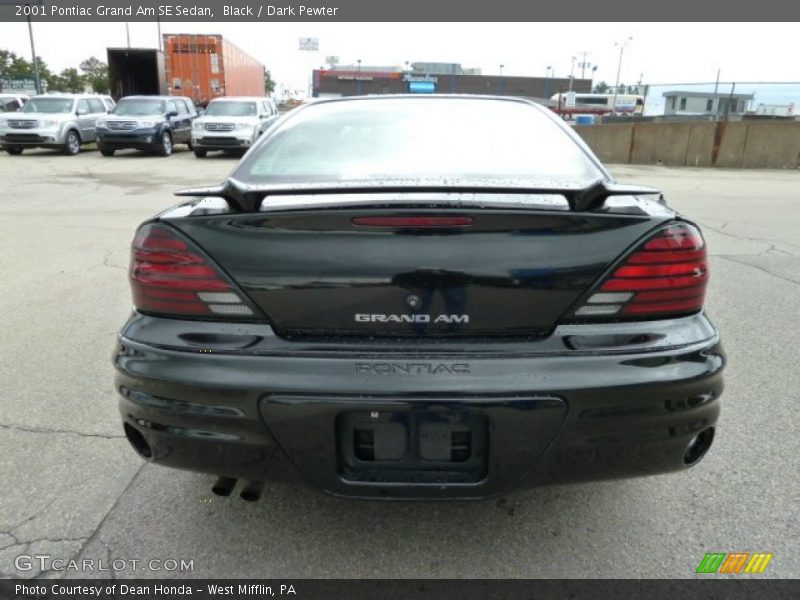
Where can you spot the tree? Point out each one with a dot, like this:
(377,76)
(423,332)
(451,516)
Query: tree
(69,80)
(96,74)
(601,87)
(269,84)
(12,65)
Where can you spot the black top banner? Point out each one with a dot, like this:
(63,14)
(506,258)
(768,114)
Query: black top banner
(399,10)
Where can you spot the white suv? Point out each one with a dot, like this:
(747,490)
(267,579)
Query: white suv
(232,124)
(61,121)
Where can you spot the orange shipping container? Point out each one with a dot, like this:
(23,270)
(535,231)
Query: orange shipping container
(204,67)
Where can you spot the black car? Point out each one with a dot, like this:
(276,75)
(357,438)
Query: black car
(419,297)
(148,123)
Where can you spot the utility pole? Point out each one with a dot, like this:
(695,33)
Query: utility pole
(584,64)
(128,33)
(619,68)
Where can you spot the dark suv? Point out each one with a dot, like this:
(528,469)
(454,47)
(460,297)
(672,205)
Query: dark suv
(149,123)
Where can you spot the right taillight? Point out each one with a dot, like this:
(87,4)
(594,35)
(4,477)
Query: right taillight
(169,275)
(666,275)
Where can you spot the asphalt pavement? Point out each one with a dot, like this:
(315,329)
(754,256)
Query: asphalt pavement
(73,489)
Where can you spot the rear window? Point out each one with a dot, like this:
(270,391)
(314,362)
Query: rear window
(9,104)
(446,140)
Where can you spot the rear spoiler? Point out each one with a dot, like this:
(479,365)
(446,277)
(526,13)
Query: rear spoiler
(245,198)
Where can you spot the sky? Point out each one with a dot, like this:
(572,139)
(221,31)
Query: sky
(658,52)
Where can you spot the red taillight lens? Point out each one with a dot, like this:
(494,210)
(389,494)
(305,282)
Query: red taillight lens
(666,275)
(170,276)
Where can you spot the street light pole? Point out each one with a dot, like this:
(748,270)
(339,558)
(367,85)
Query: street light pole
(571,73)
(501,80)
(619,68)
(35,60)
(547,74)
(358,77)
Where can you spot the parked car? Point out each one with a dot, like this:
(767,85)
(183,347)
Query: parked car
(12,102)
(383,302)
(232,124)
(60,121)
(148,123)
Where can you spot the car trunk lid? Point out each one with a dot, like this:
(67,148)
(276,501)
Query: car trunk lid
(431,269)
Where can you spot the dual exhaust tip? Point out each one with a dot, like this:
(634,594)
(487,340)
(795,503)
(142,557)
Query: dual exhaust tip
(250,493)
(223,487)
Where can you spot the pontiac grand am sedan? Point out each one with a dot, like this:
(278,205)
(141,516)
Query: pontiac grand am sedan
(419,297)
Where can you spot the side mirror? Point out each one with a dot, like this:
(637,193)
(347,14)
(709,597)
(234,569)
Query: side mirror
(81,112)
(172,113)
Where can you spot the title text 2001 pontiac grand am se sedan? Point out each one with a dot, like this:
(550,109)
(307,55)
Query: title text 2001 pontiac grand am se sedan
(405,297)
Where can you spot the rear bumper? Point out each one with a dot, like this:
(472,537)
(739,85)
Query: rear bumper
(237,401)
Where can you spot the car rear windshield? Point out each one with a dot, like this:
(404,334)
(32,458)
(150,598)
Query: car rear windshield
(231,109)
(448,140)
(139,107)
(48,105)
(8,104)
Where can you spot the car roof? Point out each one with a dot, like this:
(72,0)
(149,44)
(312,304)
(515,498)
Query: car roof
(240,99)
(64,96)
(146,97)
(413,97)
(373,98)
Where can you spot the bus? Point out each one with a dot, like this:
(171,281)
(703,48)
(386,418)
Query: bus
(596,104)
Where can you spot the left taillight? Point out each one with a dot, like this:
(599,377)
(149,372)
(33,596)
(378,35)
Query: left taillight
(169,275)
(666,275)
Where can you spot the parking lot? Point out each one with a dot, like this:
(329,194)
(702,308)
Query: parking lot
(72,488)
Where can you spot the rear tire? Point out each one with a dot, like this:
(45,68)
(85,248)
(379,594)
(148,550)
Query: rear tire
(200,152)
(72,143)
(165,148)
(14,151)
(107,151)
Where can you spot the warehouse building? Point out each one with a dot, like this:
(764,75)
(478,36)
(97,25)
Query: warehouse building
(435,78)
(682,103)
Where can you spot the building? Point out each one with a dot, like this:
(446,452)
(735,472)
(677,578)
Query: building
(681,103)
(437,68)
(436,78)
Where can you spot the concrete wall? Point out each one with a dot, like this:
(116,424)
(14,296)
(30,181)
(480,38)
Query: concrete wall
(611,142)
(736,144)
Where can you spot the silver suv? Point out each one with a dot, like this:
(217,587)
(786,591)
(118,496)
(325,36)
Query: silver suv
(232,124)
(61,121)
